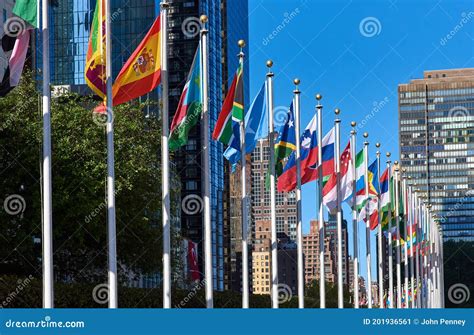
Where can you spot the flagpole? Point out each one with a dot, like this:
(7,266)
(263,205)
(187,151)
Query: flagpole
(322,289)
(417,249)
(337,125)
(397,246)
(112,235)
(355,227)
(425,258)
(271,143)
(367,221)
(48,279)
(405,246)
(441,264)
(245,252)
(412,244)
(165,196)
(389,236)
(299,223)
(380,236)
(206,164)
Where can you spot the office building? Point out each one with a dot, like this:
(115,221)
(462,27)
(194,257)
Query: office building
(436,120)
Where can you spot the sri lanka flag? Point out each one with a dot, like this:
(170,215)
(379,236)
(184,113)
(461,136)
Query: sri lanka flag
(95,59)
(189,107)
(225,130)
(142,71)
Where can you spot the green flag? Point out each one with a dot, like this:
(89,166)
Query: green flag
(27,10)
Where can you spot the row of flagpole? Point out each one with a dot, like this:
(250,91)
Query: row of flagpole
(423,268)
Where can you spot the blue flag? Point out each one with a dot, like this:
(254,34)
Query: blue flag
(256,127)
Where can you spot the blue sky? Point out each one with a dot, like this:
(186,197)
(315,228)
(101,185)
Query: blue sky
(355,53)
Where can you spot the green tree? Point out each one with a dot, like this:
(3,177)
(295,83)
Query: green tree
(79,167)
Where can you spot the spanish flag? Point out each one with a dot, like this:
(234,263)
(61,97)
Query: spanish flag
(141,73)
(95,60)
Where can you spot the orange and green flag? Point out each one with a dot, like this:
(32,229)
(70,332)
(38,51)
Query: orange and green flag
(95,60)
(142,71)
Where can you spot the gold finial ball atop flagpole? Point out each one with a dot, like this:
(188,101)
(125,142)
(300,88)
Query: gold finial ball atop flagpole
(241,43)
(366,134)
(353,124)
(395,163)
(319,96)
(204,18)
(388,154)
(296,81)
(404,170)
(269,63)
(377,145)
(337,111)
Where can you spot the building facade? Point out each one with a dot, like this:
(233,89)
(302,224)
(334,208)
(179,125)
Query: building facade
(436,121)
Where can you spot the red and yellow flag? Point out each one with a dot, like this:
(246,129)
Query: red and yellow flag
(141,73)
(95,61)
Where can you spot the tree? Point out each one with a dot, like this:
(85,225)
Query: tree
(79,169)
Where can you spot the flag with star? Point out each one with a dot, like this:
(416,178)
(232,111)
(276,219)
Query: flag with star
(286,141)
(189,108)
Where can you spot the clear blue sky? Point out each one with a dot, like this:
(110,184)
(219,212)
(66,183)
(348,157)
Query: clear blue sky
(355,53)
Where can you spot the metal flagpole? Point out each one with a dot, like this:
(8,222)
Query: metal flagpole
(355,226)
(441,264)
(337,126)
(112,243)
(389,237)
(299,223)
(322,288)
(416,293)
(243,164)
(380,236)
(48,280)
(412,244)
(425,258)
(405,246)
(367,222)
(271,144)
(206,164)
(397,245)
(431,265)
(165,197)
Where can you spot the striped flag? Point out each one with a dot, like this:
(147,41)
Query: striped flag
(385,205)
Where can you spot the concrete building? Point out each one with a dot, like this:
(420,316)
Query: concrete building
(436,120)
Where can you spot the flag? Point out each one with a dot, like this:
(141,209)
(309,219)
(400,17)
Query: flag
(27,10)
(223,131)
(309,159)
(374,189)
(19,48)
(142,71)
(385,206)
(95,59)
(286,142)
(330,188)
(256,127)
(189,107)
(360,181)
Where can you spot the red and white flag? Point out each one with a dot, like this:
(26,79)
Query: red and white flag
(330,188)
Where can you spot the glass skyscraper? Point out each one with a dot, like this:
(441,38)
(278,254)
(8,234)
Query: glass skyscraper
(70,22)
(436,116)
